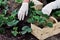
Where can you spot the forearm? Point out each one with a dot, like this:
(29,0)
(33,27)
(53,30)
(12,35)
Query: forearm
(55,4)
(58,4)
(26,1)
(51,6)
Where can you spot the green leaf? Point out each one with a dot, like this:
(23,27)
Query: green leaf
(30,20)
(2,30)
(3,2)
(42,19)
(26,29)
(10,18)
(14,12)
(41,22)
(12,23)
(50,24)
(39,12)
(29,30)
(36,17)
(1,23)
(59,15)
(14,33)
(0,2)
(13,15)
(19,1)
(4,11)
(56,14)
(31,4)
(15,28)
(23,32)
(46,16)
(1,20)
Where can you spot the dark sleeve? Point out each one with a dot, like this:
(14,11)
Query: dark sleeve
(46,1)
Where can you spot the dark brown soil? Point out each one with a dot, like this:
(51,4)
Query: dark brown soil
(28,36)
(55,37)
(23,37)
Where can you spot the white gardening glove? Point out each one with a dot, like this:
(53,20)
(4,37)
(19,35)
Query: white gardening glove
(23,11)
(58,4)
(49,7)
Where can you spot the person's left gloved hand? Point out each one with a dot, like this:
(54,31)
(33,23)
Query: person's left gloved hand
(23,11)
(47,9)
(51,6)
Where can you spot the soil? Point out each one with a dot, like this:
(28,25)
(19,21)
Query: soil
(8,36)
(27,36)
(55,37)
(23,37)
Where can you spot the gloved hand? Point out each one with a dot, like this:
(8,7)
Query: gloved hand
(49,7)
(23,11)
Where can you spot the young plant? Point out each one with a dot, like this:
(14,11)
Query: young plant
(26,29)
(56,14)
(18,1)
(37,17)
(12,21)
(3,2)
(9,20)
(2,30)
(15,32)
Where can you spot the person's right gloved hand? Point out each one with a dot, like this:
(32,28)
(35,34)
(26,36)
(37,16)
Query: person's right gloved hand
(23,11)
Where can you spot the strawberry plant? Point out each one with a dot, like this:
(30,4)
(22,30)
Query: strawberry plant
(37,17)
(18,1)
(3,2)
(25,29)
(11,20)
(14,31)
(56,14)
(5,18)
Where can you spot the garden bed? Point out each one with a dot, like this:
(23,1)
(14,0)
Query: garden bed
(13,29)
